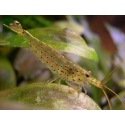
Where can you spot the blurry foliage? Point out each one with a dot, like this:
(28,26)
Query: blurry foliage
(7,74)
(18,66)
(35,21)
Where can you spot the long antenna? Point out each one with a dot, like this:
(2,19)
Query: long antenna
(107,98)
(104,81)
(114,94)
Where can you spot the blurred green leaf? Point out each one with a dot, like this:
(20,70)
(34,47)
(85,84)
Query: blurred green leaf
(28,21)
(62,40)
(7,75)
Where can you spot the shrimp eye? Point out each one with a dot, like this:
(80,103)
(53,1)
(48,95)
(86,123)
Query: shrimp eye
(88,74)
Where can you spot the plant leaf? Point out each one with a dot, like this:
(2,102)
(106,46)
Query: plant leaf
(63,40)
(48,96)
